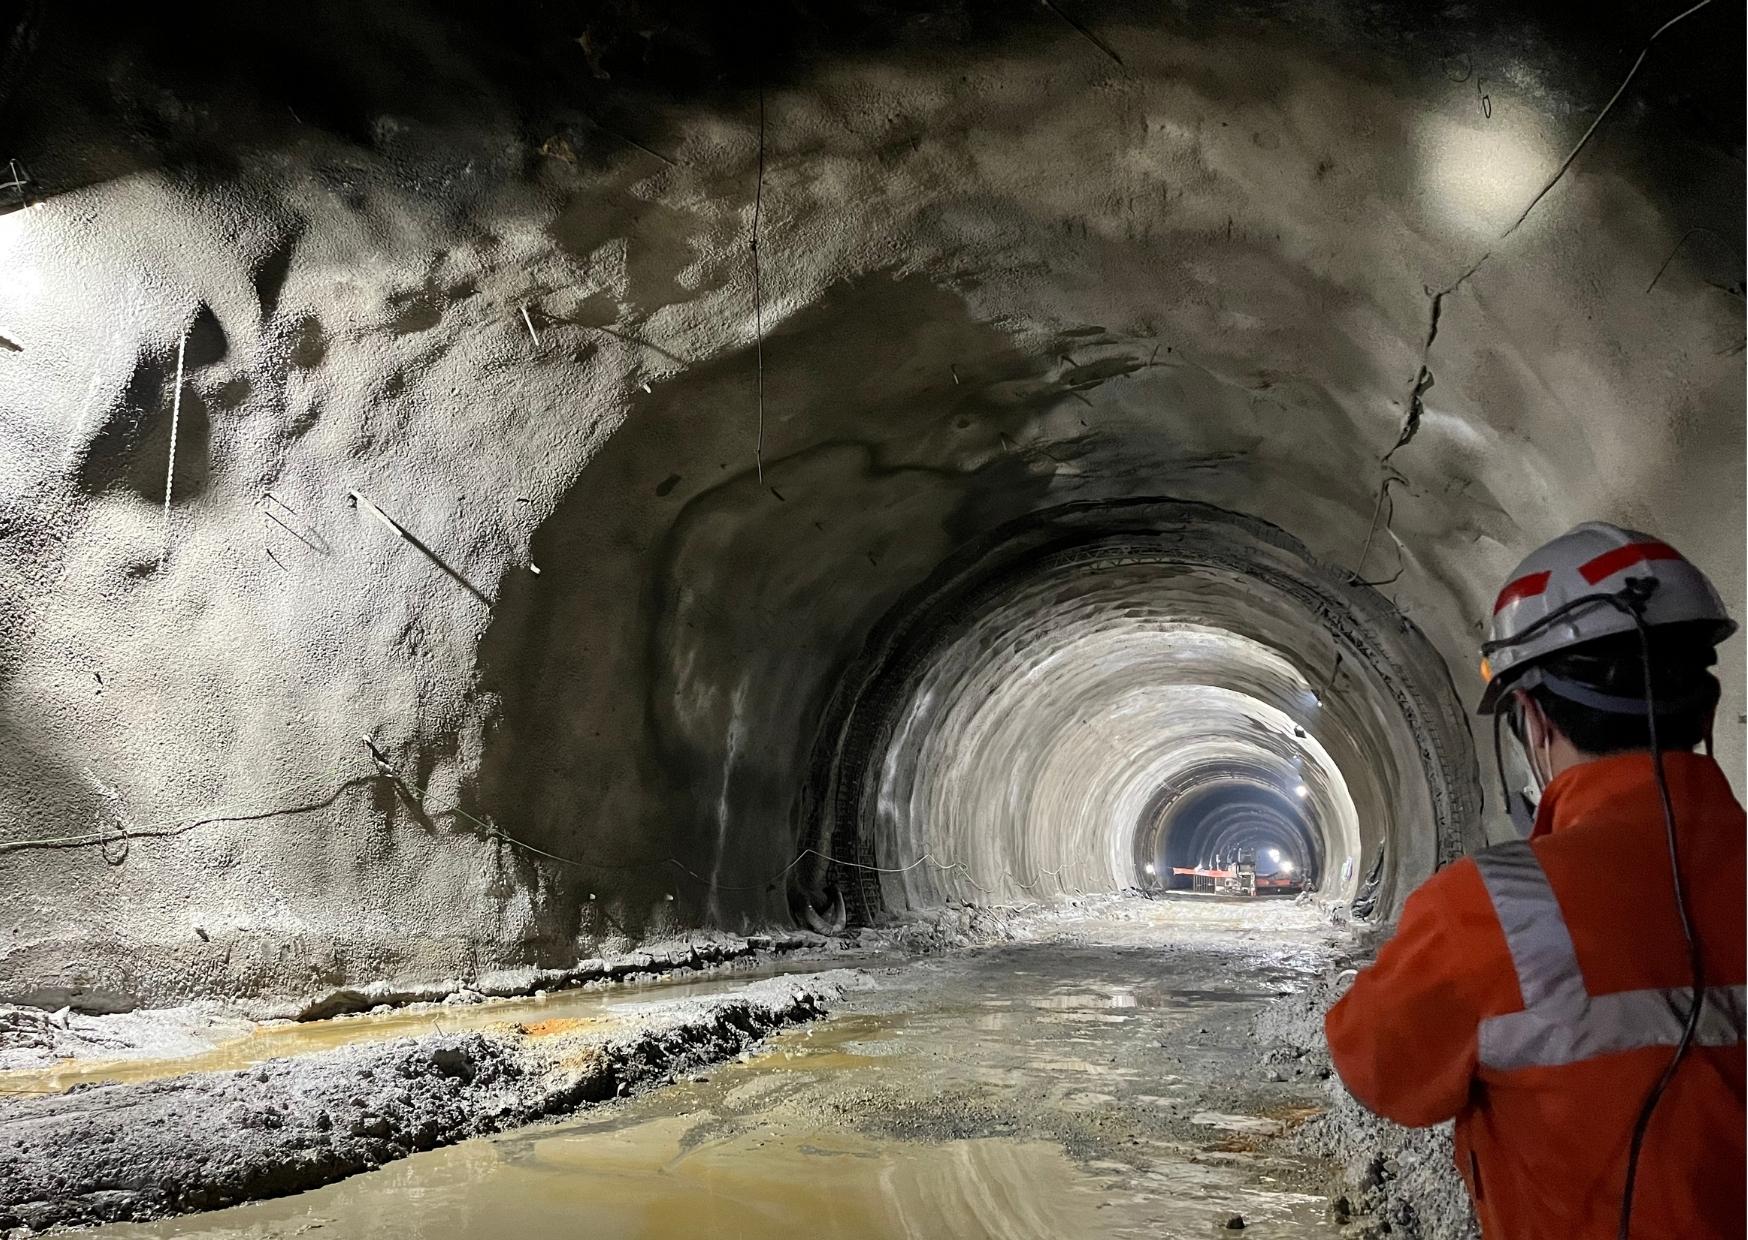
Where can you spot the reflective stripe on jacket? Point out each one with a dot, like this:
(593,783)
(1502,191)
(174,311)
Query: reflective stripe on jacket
(1535,992)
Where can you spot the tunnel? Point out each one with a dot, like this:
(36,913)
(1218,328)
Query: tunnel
(1229,814)
(496,500)
(1103,688)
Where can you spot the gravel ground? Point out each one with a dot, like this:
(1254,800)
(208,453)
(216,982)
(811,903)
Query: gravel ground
(1397,1182)
(1088,1071)
(33,1039)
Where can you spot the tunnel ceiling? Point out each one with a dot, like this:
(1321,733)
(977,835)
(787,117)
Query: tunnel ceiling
(432,546)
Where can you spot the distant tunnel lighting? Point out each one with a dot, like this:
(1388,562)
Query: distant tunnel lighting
(1150,867)
(1274,854)
(1302,791)
(1286,867)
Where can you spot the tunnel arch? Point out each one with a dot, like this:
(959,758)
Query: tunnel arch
(1028,721)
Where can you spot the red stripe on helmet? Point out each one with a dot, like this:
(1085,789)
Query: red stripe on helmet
(1611,562)
(1527,586)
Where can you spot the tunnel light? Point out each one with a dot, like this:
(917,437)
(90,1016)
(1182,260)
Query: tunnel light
(1274,854)
(1150,867)
(1286,867)
(1302,791)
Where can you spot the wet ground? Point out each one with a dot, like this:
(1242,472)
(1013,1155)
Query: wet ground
(1098,1080)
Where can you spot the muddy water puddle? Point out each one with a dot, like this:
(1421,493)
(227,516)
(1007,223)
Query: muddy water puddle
(1022,1094)
(559,1011)
(644,1182)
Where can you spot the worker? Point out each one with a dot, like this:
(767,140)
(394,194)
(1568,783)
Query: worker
(1542,993)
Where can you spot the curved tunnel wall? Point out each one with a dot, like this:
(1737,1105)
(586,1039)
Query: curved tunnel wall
(1017,733)
(466,454)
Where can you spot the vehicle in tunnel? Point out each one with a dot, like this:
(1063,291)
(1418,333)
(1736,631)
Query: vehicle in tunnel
(1240,875)
(1260,837)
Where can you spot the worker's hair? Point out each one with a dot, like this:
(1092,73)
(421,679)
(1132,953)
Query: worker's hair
(1681,680)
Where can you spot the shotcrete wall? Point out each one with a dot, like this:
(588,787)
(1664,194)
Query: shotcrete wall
(496,613)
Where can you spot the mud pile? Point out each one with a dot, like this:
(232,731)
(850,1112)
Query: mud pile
(1396,1182)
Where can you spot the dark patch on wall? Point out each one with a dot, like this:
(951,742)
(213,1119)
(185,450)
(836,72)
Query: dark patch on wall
(309,343)
(712,634)
(270,275)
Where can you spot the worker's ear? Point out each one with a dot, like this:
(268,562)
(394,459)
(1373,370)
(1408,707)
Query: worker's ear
(1534,726)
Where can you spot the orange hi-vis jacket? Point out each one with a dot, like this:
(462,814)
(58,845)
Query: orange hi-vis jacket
(1535,991)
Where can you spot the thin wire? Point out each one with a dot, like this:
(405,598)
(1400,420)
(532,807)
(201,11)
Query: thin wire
(1600,116)
(1697,228)
(103,837)
(1085,32)
(714,885)
(175,422)
(1372,529)
(758,292)
(165,831)
(386,769)
(494,832)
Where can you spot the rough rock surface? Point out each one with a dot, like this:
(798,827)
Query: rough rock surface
(477,638)
(199,1142)
(1397,1182)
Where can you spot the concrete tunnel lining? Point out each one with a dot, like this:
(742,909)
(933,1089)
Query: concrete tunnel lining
(1004,277)
(1012,735)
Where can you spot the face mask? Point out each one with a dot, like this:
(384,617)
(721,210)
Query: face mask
(1541,773)
(1524,805)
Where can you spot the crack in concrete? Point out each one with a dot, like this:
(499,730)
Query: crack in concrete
(1423,379)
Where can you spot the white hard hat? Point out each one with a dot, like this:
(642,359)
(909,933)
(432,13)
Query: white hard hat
(1572,590)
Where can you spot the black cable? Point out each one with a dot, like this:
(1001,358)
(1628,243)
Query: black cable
(1694,959)
(1616,601)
